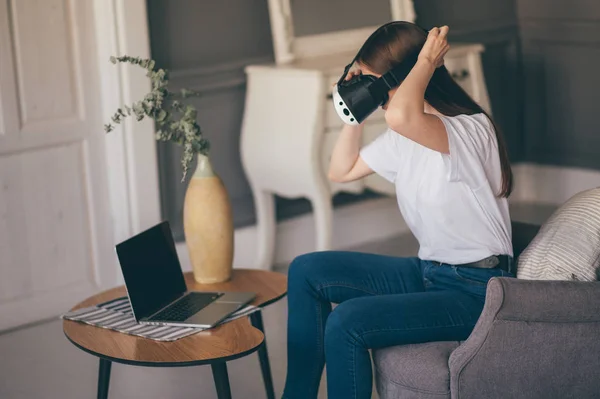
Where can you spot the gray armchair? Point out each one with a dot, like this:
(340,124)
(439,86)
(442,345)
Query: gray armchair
(534,339)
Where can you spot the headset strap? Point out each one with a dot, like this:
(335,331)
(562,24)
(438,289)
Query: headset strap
(395,76)
(347,68)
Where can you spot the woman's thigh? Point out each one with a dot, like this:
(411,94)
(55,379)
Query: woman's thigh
(388,320)
(341,275)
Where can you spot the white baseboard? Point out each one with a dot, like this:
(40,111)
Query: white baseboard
(353,225)
(550,184)
(379,219)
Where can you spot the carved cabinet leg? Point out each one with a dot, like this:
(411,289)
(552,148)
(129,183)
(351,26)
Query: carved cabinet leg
(323,213)
(264,203)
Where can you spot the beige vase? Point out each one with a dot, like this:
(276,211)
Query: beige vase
(208,225)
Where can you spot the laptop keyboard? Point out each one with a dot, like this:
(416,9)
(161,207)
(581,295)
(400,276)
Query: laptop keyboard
(186,307)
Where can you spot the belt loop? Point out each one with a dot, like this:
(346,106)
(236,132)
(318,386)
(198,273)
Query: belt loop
(511,265)
(492,261)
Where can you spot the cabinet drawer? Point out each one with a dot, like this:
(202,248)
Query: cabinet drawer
(459,68)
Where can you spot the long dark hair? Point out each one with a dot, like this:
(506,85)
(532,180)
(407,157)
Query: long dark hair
(399,42)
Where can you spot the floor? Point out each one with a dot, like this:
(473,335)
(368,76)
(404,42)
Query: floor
(39,363)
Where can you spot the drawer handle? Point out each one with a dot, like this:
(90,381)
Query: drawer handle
(462,75)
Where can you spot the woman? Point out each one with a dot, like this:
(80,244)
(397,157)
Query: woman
(452,176)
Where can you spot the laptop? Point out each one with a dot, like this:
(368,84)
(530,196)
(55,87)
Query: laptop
(156,286)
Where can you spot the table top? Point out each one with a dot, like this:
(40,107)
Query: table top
(228,341)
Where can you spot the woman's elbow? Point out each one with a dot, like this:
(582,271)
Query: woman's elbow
(396,119)
(335,178)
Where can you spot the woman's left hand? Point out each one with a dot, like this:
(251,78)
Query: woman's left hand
(436,46)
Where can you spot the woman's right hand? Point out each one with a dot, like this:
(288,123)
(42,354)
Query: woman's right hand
(350,75)
(436,46)
(353,73)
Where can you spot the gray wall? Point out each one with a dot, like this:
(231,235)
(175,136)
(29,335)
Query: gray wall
(542,101)
(205,46)
(317,16)
(561,55)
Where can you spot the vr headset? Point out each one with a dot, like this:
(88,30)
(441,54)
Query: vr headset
(354,100)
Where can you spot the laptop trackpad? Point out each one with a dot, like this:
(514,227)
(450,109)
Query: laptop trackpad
(213,313)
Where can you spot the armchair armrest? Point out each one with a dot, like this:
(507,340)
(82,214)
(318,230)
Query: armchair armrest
(544,301)
(534,339)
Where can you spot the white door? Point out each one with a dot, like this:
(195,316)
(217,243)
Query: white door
(56,243)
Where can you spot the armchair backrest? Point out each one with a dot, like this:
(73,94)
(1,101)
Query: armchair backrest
(522,234)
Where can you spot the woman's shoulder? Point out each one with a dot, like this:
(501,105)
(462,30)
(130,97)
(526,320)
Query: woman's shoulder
(472,132)
(479,119)
(477,124)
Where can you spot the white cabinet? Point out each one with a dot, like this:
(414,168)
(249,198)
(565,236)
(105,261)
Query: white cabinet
(290,127)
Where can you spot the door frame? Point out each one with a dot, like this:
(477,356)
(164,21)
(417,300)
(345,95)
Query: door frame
(121,28)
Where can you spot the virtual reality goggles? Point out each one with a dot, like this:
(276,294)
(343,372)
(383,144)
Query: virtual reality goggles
(354,100)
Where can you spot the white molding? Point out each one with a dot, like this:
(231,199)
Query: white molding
(330,43)
(551,185)
(106,39)
(483,29)
(121,28)
(217,77)
(353,225)
(217,69)
(134,39)
(288,47)
(282,30)
(403,10)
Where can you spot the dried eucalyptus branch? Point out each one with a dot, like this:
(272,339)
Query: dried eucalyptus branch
(175,120)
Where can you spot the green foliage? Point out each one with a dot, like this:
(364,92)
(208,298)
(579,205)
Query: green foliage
(175,121)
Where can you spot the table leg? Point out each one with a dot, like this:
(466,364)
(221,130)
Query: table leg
(221,378)
(104,378)
(263,355)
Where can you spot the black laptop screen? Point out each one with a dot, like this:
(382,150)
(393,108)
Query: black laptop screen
(151,269)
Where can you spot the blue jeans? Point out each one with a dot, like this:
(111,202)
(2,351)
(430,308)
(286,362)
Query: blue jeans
(383,301)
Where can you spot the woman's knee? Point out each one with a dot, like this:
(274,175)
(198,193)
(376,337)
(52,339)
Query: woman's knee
(306,266)
(341,325)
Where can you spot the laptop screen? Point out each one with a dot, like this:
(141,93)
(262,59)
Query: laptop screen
(151,269)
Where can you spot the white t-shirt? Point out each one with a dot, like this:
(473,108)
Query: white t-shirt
(449,201)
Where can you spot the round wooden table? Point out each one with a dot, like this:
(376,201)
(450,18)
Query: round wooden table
(216,346)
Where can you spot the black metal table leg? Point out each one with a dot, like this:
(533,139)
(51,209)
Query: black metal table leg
(104,378)
(221,378)
(263,355)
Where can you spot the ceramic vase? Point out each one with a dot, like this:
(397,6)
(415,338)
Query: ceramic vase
(208,225)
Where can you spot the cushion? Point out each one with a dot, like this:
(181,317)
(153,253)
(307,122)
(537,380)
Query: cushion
(418,371)
(567,246)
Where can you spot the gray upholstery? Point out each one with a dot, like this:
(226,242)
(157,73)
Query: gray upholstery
(534,339)
(414,371)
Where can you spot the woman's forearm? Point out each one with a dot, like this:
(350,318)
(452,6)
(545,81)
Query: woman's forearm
(346,151)
(409,99)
